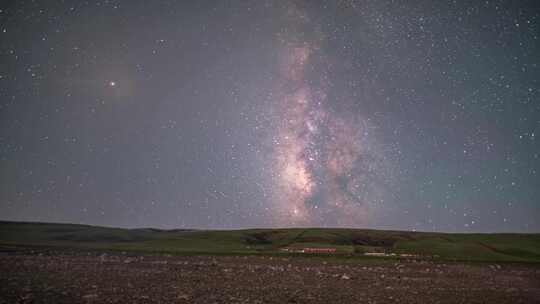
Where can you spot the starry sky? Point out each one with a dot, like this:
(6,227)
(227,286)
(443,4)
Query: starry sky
(412,115)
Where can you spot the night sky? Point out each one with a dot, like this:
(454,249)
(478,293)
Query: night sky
(413,115)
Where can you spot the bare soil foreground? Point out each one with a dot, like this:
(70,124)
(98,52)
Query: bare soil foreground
(62,277)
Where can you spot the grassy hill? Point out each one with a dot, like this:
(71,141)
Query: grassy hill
(347,242)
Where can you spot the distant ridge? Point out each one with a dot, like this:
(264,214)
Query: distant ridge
(350,243)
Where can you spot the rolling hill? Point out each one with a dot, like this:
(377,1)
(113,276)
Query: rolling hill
(349,243)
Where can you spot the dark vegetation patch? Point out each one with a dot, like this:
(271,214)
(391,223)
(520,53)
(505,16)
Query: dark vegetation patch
(259,238)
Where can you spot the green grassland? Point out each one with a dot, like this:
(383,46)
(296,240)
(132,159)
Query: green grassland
(349,243)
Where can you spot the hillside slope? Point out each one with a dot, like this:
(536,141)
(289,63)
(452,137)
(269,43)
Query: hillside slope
(347,242)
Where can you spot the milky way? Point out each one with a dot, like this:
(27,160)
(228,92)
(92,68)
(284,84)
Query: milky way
(329,171)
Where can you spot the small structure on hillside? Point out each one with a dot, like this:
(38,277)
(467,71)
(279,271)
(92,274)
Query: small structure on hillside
(379,254)
(385,254)
(319,250)
(309,250)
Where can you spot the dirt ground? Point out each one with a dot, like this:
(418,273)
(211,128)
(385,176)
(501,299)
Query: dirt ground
(33,277)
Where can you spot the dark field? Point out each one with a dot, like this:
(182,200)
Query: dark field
(78,277)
